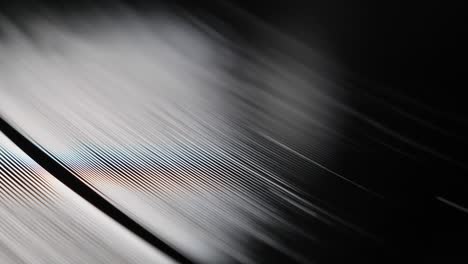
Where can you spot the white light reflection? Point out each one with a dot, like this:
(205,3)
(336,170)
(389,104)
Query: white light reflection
(147,112)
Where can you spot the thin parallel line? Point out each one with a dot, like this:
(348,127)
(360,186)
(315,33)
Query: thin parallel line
(452,204)
(66,177)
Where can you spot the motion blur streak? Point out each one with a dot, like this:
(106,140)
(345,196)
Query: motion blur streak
(190,136)
(42,221)
(230,146)
(272,134)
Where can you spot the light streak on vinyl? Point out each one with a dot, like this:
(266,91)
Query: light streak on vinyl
(43,221)
(203,143)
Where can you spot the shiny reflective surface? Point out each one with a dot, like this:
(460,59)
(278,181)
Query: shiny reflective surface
(42,221)
(228,151)
(167,124)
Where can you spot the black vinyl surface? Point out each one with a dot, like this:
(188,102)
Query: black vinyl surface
(239,132)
